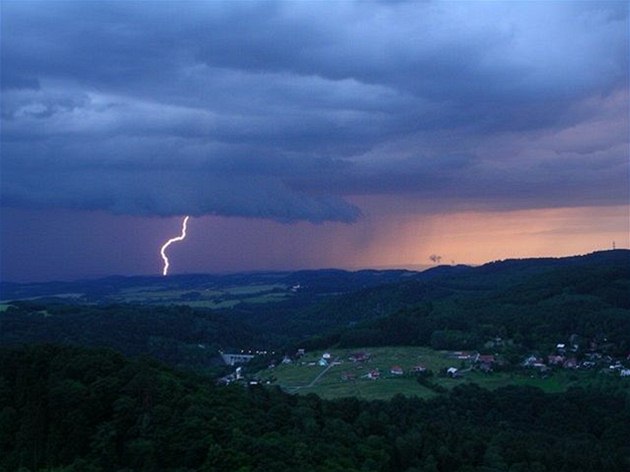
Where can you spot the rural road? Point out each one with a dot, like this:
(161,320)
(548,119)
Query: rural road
(321,374)
(315,380)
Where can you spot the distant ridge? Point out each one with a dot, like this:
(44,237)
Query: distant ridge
(587,295)
(325,280)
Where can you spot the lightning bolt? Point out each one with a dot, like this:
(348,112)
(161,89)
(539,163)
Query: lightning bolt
(176,239)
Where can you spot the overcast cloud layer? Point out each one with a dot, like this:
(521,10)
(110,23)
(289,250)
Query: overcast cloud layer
(283,110)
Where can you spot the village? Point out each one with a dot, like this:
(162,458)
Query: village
(568,356)
(325,371)
(467,361)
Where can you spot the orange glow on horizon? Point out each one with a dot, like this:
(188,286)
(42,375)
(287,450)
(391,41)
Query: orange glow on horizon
(480,237)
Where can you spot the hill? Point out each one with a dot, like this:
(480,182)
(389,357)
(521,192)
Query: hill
(177,335)
(529,304)
(207,290)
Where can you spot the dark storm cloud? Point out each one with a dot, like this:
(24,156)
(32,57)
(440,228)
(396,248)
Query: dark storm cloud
(281,109)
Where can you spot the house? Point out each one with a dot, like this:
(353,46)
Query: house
(534,362)
(485,359)
(554,359)
(419,369)
(326,356)
(322,362)
(287,360)
(561,348)
(359,357)
(624,372)
(531,361)
(484,362)
(453,372)
(570,363)
(396,370)
(373,374)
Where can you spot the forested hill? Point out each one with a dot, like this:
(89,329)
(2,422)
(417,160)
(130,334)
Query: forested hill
(533,303)
(71,409)
(306,315)
(177,335)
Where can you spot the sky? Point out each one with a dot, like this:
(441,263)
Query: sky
(309,134)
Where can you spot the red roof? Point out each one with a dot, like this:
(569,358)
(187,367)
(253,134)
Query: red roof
(486,358)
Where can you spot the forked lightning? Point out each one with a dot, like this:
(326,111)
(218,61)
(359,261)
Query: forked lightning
(181,237)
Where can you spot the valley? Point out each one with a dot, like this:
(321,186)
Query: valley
(368,370)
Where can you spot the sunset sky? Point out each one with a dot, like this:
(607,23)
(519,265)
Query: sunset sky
(309,134)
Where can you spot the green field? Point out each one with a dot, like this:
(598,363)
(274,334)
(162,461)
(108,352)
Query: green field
(214,305)
(207,297)
(253,289)
(299,376)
